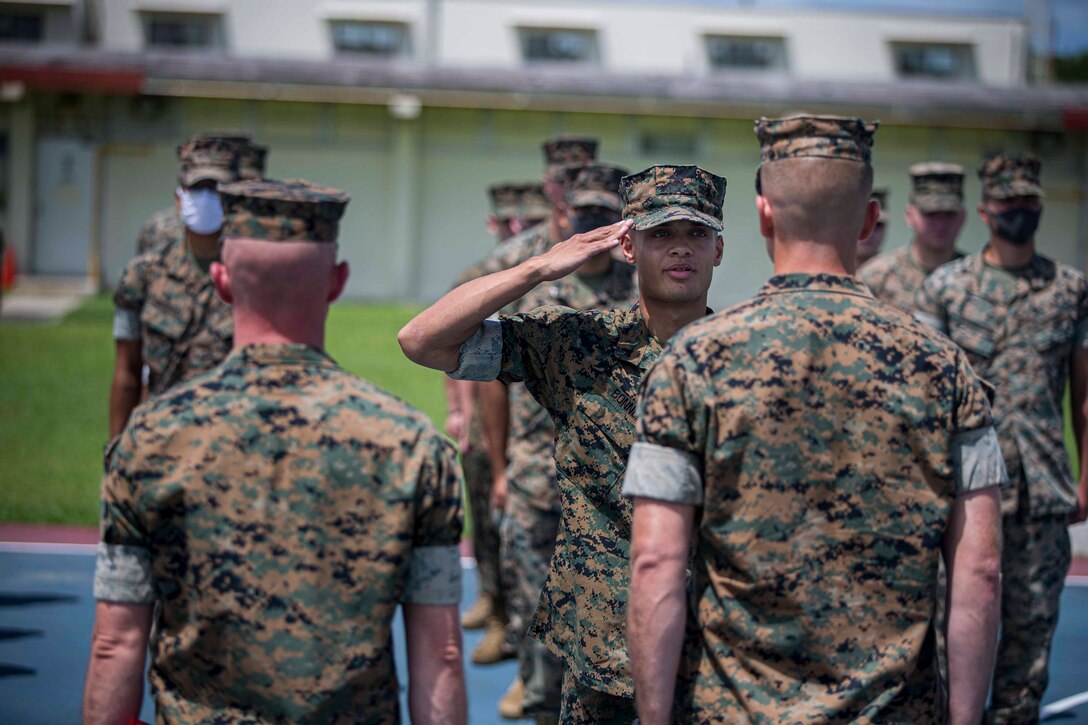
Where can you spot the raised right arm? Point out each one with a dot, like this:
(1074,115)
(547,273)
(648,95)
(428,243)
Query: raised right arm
(434,337)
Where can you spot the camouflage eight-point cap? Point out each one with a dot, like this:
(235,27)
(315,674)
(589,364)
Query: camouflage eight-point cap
(253,163)
(1005,176)
(282,211)
(596,185)
(833,137)
(662,194)
(533,206)
(880,196)
(209,158)
(504,200)
(563,151)
(936,186)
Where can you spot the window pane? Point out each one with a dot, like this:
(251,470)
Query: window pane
(371,38)
(742,52)
(566,46)
(943,60)
(176,31)
(19,26)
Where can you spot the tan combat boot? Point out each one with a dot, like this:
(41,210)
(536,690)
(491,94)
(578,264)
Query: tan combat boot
(478,614)
(510,704)
(493,648)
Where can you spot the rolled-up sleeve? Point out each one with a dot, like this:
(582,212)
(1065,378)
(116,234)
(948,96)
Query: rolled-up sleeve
(481,354)
(663,473)
(976,456)
(123,574)
(434,576)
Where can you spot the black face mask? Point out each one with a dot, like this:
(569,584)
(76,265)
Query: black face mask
(582,223)
(1017,225)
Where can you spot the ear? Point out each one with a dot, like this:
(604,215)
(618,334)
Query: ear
(221,279)
(492,224)
(627,246)
(177,199)
(517,226)
(872,216)
(983,215)
(719,249)
(340,274)
(766,217)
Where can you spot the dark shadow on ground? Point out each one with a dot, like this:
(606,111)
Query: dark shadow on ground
(10,599)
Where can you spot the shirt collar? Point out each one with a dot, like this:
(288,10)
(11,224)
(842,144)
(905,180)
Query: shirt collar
(801,282)
(286,354)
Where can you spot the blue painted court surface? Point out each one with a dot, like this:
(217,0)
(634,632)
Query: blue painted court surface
(46,612)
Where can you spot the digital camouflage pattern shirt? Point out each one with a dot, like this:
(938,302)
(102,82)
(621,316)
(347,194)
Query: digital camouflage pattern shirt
(1019,329)
(895,277)
(585,368)
(184,328)
(162,227)
(822,437)
(278,509)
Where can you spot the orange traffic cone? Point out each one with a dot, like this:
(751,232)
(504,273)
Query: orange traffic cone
(7,273)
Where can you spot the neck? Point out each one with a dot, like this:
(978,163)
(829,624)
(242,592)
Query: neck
(202,245)
(663,319)
(1002,253)
(813,257)
(929,259)
(254,329)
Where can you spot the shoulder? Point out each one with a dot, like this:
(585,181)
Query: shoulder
(1069,276)
(876,269)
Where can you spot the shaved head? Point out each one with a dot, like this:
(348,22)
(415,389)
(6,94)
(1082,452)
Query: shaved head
(817,199)
(286,286)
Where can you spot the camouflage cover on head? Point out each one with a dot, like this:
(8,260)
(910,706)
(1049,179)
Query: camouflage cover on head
(1005,176)
(504,200)
(204,158)
(596,185)
(533,205)
(832,137)
(568,150)
(880,195)
(936,186)
(662,194)
(254,162)
(292,210)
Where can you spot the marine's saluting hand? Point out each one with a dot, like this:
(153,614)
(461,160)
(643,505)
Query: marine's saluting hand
(569,255)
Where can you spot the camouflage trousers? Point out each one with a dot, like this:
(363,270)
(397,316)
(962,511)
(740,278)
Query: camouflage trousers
(485,532)
(1034,563)
(528,541)
(584,705)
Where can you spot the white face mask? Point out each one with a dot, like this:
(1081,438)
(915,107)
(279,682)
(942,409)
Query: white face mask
(201,210)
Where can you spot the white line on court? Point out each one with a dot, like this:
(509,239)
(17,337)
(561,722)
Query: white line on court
(1063,705)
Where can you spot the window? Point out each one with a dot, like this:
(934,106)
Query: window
(384,40)
(178,31)
(667,145)
(25,26)
(746,52)
(950,61)
(545,45)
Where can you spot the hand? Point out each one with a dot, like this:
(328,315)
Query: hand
(1081,512)
(569,255)
(455,425)
(499,490)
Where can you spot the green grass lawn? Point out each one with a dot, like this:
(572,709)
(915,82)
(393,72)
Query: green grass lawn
(54,391)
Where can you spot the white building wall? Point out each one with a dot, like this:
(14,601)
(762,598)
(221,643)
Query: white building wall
(646,38)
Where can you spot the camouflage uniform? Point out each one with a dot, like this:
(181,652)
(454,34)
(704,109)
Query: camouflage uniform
(165,300)
(584,368)
(161,228)
(1019,328)
(824,468)
(277,509)
(895,277)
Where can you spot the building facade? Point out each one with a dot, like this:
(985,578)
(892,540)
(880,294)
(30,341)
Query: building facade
(416,106)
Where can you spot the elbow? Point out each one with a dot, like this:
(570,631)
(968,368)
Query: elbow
(111,646)
(409,340)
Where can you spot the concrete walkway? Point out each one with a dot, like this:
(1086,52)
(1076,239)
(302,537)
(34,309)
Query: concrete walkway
(39,300)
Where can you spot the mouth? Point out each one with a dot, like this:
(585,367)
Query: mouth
(680,271)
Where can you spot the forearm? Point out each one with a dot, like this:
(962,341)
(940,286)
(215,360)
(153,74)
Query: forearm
(124,397)
(115,679)
(656,619)
(974,611)
(434,337)
(436,678)
(495,419)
